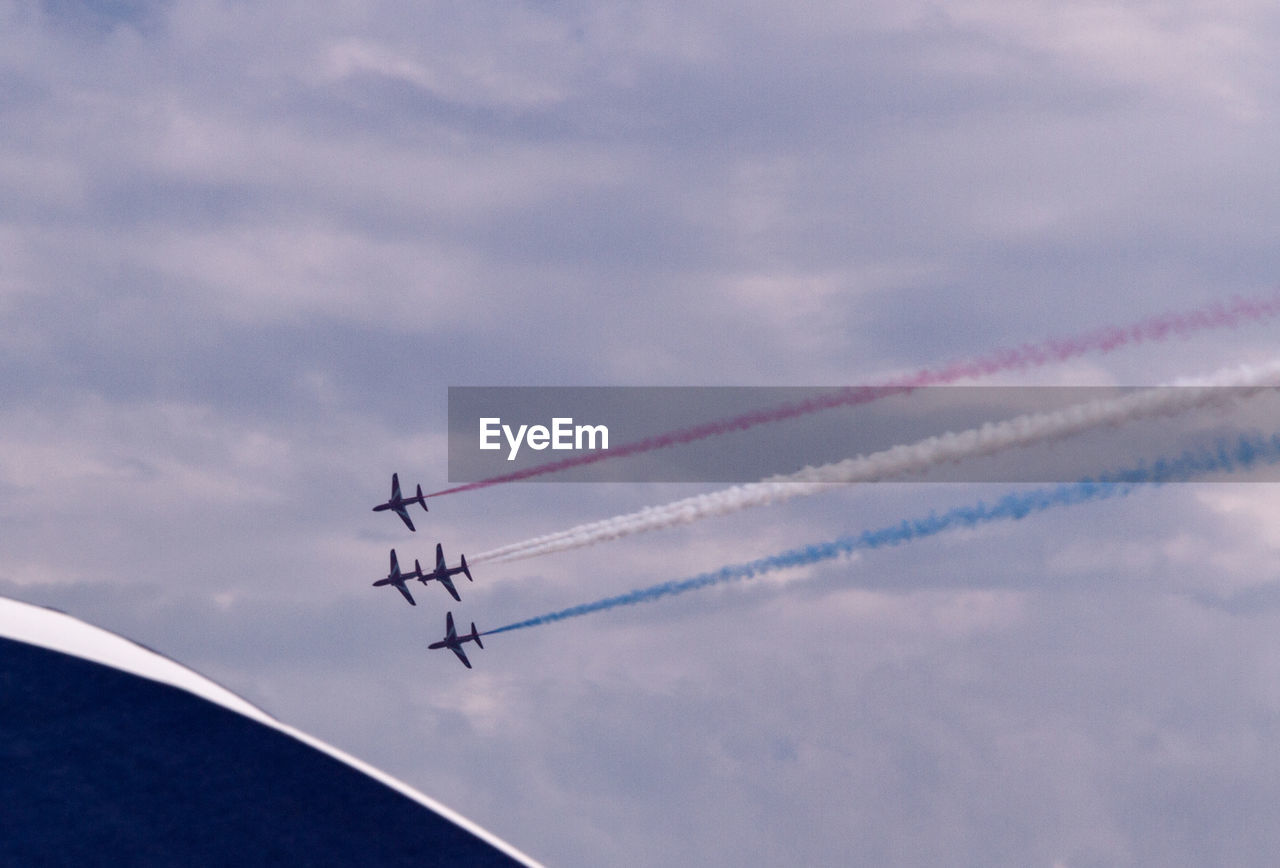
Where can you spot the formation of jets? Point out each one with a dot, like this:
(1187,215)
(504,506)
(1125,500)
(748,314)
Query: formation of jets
(440,574)
(443,573)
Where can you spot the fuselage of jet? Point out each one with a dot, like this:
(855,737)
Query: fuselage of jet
(400,503)
(454,642)
(442,573)
(397,579)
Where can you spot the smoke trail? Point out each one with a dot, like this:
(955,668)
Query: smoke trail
(1022,430)
(1237,311)
(1224,457)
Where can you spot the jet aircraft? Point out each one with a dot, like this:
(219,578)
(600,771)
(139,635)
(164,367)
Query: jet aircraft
(397,578)
(400,504)
(442,573)
(453,641)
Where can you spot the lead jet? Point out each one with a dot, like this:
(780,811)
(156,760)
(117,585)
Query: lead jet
(453,641)
(397,578)
(442,573)
(399,503)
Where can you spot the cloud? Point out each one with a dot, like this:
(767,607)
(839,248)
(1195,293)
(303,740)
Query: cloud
(240,269)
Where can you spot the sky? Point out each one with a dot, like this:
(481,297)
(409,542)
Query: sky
(245,250)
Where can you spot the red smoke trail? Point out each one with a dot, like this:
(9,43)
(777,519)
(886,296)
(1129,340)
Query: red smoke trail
(1217,315)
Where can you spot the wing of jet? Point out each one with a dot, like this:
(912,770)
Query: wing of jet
(394,577)
(404,516)
(448,585)
(457,649)
(400,508)
(451,637)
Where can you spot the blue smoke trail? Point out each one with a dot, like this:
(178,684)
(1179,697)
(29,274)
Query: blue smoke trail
(1224,457)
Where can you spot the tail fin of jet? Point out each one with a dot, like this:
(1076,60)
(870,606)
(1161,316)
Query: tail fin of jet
(422,499)
(440,557)
(466,571)
(417,568)
(476,634)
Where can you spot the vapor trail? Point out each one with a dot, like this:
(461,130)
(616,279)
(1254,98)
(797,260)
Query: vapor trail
(1031,355)
(992,437)
(1225,457)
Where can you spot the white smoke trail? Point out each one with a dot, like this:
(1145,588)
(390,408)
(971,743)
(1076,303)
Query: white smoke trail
(896,461)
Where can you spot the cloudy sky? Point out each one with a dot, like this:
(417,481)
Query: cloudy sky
(245,249)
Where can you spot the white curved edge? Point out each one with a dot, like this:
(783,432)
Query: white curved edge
(403,788)
(58,631)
